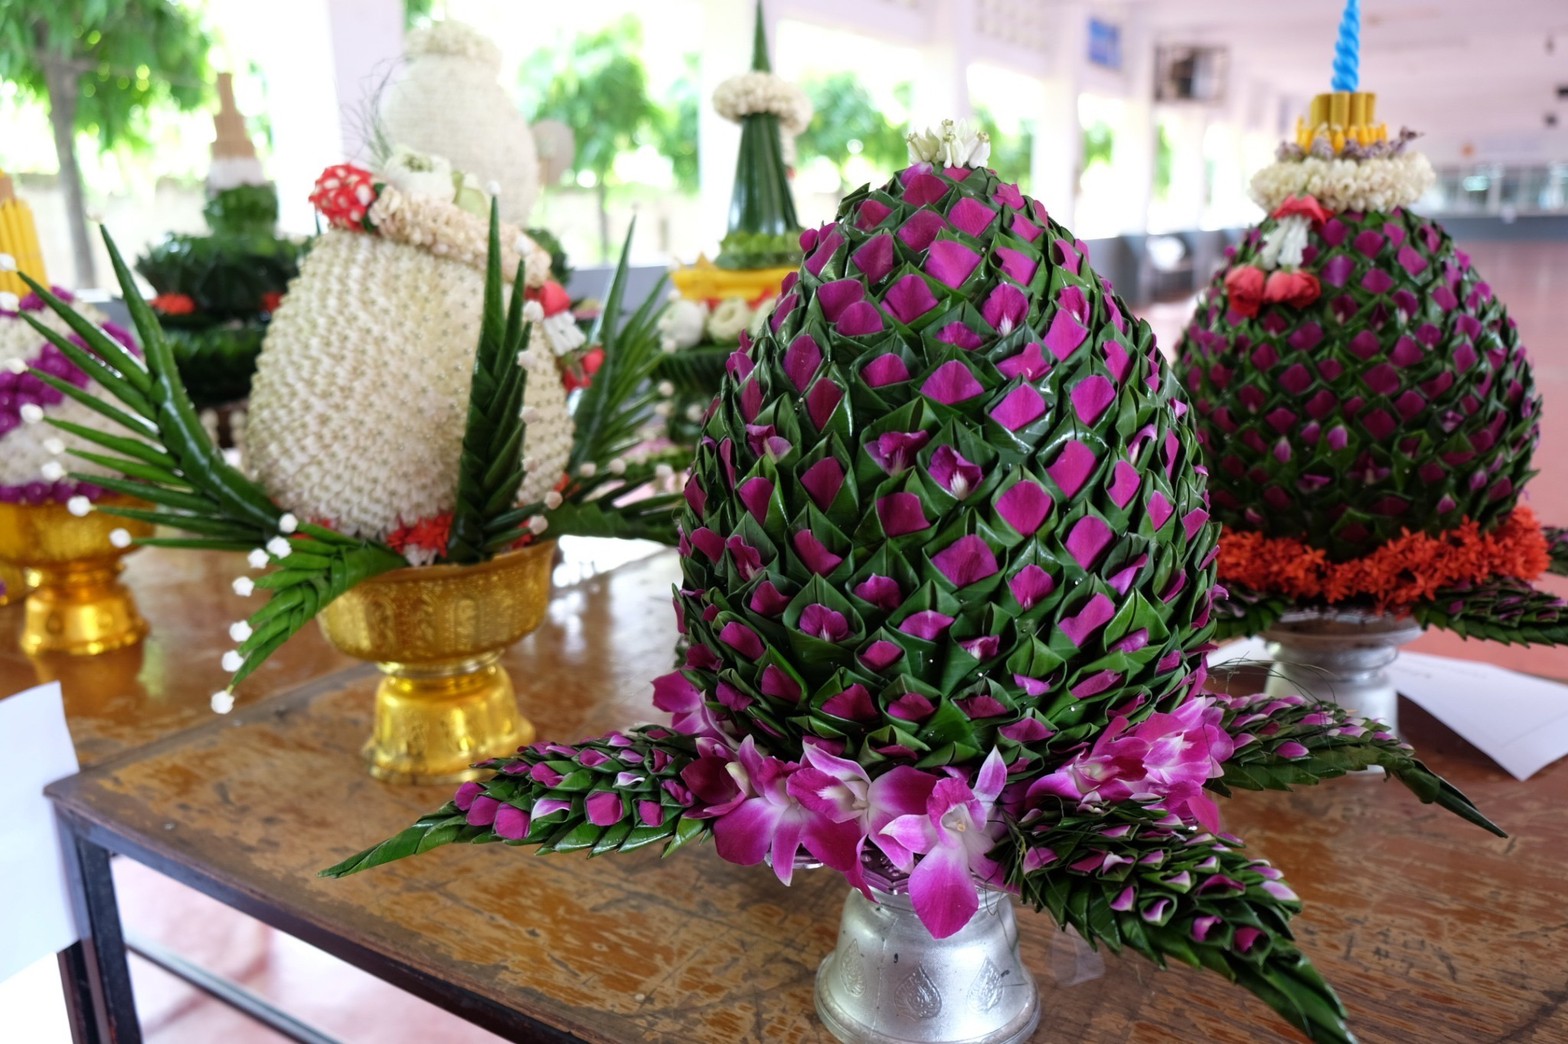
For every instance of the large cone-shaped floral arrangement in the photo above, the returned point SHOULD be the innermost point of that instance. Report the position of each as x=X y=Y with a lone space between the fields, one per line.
x=1366 y=404
x=947 y=568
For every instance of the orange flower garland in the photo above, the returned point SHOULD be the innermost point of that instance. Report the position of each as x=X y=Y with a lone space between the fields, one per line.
x=1403 y=571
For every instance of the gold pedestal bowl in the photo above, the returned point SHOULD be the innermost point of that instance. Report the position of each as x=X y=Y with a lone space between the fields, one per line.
x=437 y=633
x=13 y=583
x=77 y=604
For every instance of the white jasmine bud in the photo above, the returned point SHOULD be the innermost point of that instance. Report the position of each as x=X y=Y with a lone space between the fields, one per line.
x=52 y=471
x=244 y=586
x=258 y=559
x=32 y=413
x=552 y=500
x=617 y=466
x=222 y=701
x=287 y=523
x=588 y=469
x=120 y=538
x=278 y=547
x=17 y=365
x=233 y=661
x=7 y=263
x=538 y=524
x=79 y=506
x=239 y=630
x=666 y=388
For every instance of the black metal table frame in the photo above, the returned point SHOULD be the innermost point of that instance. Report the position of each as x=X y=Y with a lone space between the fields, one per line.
x=95 y=972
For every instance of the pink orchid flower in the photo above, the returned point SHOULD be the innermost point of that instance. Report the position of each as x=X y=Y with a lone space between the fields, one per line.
x=1166 y=757
x=953 y=839
x=762 y=819
x=841 y=791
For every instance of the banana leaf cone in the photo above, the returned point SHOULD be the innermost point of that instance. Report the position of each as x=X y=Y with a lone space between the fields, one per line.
x=947 y=567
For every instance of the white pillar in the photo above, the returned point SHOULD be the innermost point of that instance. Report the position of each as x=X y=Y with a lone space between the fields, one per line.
x=1133 y=158
x=367 y=42
x=1058 y=139
x=941 y=90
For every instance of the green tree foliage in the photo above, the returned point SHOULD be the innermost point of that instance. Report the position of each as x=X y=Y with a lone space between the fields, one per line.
x=1012 y=148
x=848 y=122
x=675 y=130
x=100 y=66
x=598 y=87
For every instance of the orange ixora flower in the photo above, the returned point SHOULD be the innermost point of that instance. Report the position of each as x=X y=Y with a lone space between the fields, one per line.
x=1408 y=569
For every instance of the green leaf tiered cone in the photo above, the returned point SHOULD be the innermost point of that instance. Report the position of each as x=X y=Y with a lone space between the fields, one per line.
x=947 y=568
x=1359 y=388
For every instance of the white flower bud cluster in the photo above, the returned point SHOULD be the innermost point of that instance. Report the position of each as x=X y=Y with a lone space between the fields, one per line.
x=765 y=92
x=1378 y=184
x=361 y=391
x=32 y=451
x=952 y=143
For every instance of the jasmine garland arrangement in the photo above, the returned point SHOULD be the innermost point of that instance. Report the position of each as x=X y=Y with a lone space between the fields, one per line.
x=947 y=569
x=468 y=453
x=1365 y=402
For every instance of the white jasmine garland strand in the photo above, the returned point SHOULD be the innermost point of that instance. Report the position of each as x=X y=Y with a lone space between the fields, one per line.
x=1377 y=184
x=763 y=92
x=448 y=231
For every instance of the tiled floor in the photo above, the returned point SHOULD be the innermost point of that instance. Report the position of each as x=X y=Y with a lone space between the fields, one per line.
x=355 y=1007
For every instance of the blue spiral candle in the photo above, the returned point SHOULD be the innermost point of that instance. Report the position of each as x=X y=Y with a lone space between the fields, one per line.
x=1347 y=49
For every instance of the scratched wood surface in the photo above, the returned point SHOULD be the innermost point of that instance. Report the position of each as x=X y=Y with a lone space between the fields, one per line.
x=124 y=699
x=1431 y=930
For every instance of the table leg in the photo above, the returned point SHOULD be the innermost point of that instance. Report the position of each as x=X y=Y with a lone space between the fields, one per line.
x=94 y=972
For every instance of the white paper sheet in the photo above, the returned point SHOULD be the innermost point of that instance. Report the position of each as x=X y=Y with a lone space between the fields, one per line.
x=35 y=750
x=1518 y=721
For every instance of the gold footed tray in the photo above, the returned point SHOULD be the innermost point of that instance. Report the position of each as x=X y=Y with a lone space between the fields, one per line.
x=705 y=281
x=77 y=604
x=437 y=633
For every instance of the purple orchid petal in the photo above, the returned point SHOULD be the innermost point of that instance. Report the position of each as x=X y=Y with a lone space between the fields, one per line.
x=874 y=257
x=1095 y=614
x=943 y=892
x=511 y=823
x=950 y=262
x=909 y=298
x=838 y=295
x=1026 y=730
x=868 y=215
x=822 y=481
x=1005 y=308
x=815 y=554
x=821 y=621
x=1030 y=584
x=953 y=472
x=742 y=639
x=966 y=561
x=881 y=654
x=911 y=707
x=1091 y=397
x=1024 y=506
x=802 y=360
x=895 y=451
x=1073 y=467
x=922 y=188
x=768 y=600
x=483 y=811
x=696 y=499
x=1125 y=481
x=971 y=216
x=822 y=401
x=747 y=559
x=1029 y=363
x=881 y=591
x=464 y=798
x=1022 y=407
x=927 y=624
x=952 y=382
x=1089 y=537
x=853 y=703
x=884 y=370
x=901 y=513
x=827 y=245
x=604 y=808
x=959 y=335
x=921 y=228
x=1016 y=265
x=860 y=319
x=1065 y=335
x=755 y=494
x=709 y=543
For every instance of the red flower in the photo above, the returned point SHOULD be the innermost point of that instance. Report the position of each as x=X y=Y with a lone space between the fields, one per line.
x=552 y=298
x=581 y=375
x=1244 y=285
x=1296 y=289
x=343 y=195
x=1305 y=206
x=270 y=301
x=428 y=534
x=174 y=304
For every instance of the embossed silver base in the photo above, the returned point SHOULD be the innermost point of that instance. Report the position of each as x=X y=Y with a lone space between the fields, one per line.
x=889 y=982
x=1340 y=658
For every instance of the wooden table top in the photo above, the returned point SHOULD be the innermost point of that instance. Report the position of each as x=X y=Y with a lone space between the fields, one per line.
x=1430 y=929
x=125 y=699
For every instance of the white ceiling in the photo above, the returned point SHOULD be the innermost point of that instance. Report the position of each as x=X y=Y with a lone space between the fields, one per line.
x=1477 y=72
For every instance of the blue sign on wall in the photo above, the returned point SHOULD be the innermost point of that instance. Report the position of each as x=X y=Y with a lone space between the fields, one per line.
x=1105 y=44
